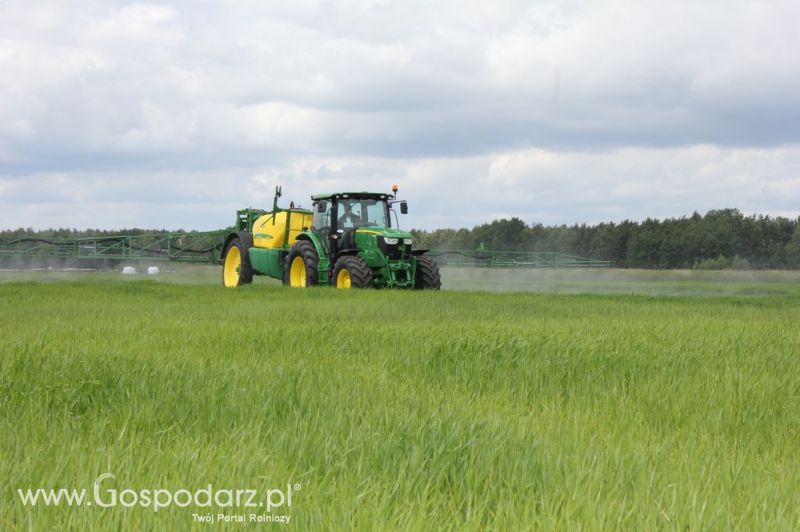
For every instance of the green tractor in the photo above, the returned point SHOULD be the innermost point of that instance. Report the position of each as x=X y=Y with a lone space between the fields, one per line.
x=347 y=240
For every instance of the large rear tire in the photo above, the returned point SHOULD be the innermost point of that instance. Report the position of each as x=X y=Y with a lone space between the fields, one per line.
x=427 y=276
x=300 y=268
x=236 y=267
x=351 y=271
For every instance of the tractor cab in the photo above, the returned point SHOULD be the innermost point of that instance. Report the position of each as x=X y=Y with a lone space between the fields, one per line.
x=337 y=217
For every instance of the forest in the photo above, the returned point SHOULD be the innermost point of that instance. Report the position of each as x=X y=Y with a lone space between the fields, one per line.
x=720 y=239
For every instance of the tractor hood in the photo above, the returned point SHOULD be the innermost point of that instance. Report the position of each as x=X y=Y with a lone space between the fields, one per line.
x=380 y=246
x=389 y=232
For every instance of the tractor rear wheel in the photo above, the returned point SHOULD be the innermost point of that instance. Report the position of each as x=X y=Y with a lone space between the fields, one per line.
x=300 y=268
x=427 y=275
x=236 y=269
x=352 y=272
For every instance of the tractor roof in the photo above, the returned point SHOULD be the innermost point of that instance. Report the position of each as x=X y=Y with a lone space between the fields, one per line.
x=356 y=195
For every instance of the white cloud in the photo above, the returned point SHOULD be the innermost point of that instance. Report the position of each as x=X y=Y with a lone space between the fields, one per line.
x=536 y=185
x=554 y=111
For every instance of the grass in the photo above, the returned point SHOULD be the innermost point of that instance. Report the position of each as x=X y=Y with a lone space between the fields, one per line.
x=624 y=281
x=404 y=410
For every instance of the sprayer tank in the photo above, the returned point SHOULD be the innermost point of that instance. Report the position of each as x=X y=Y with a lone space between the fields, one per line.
x=269 y=230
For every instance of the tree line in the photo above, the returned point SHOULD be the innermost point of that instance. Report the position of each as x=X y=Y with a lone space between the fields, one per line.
x=720 y=239
x=723 y=238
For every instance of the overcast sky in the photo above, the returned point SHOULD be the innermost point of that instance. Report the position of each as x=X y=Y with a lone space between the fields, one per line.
x=118 y=114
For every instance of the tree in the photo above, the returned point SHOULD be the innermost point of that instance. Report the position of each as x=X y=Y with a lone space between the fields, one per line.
x=793 y=248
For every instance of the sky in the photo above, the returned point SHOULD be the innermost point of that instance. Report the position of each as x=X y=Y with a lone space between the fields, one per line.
x=173 y=115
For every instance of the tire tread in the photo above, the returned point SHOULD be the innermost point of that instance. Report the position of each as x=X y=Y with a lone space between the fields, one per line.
x=360 y=273
x=427 y=276
x=308 y=252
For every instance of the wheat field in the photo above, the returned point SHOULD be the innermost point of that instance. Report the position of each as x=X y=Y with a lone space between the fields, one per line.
x=390 y=410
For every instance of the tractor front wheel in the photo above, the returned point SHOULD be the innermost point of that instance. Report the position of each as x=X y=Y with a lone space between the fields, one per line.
x=427 y=275
x=236 y=268
x=352 y=272
x=300 y=269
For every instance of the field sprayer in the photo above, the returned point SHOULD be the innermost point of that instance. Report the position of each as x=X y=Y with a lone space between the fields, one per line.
x=347 y=240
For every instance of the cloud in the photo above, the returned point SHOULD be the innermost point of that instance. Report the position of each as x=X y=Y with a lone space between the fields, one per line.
x=536 y=185
x=601 y=108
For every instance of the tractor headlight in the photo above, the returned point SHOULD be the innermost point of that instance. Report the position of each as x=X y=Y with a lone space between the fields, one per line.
x=391 y=241
x=408 y=241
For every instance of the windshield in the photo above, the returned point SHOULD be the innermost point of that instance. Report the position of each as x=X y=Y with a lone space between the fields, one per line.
x=355 y=213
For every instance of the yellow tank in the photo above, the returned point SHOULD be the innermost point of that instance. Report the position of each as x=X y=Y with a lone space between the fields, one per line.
x=269 y=230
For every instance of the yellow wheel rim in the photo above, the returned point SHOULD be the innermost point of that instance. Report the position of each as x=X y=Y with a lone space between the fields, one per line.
x=232 y=268
x=343 y=279
x=297 y=273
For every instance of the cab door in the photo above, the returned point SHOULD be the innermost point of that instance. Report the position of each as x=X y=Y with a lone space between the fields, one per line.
x=323 y=223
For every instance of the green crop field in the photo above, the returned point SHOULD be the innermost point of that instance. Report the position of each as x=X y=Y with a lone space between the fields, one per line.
x=658 y=402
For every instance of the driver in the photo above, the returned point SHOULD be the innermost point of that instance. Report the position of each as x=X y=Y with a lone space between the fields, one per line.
x=348 y=219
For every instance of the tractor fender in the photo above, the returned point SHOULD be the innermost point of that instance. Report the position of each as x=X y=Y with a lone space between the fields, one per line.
x=246 y=238
x=418 y=252
x=314 y=239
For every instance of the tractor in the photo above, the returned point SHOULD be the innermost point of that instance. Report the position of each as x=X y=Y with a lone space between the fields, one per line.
x=346 y=240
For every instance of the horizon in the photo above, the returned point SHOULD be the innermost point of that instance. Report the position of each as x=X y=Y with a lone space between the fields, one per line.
x=756 y=215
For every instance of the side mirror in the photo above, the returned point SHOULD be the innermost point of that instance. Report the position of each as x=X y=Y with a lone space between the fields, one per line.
x=322 y=205
x=403 y=207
